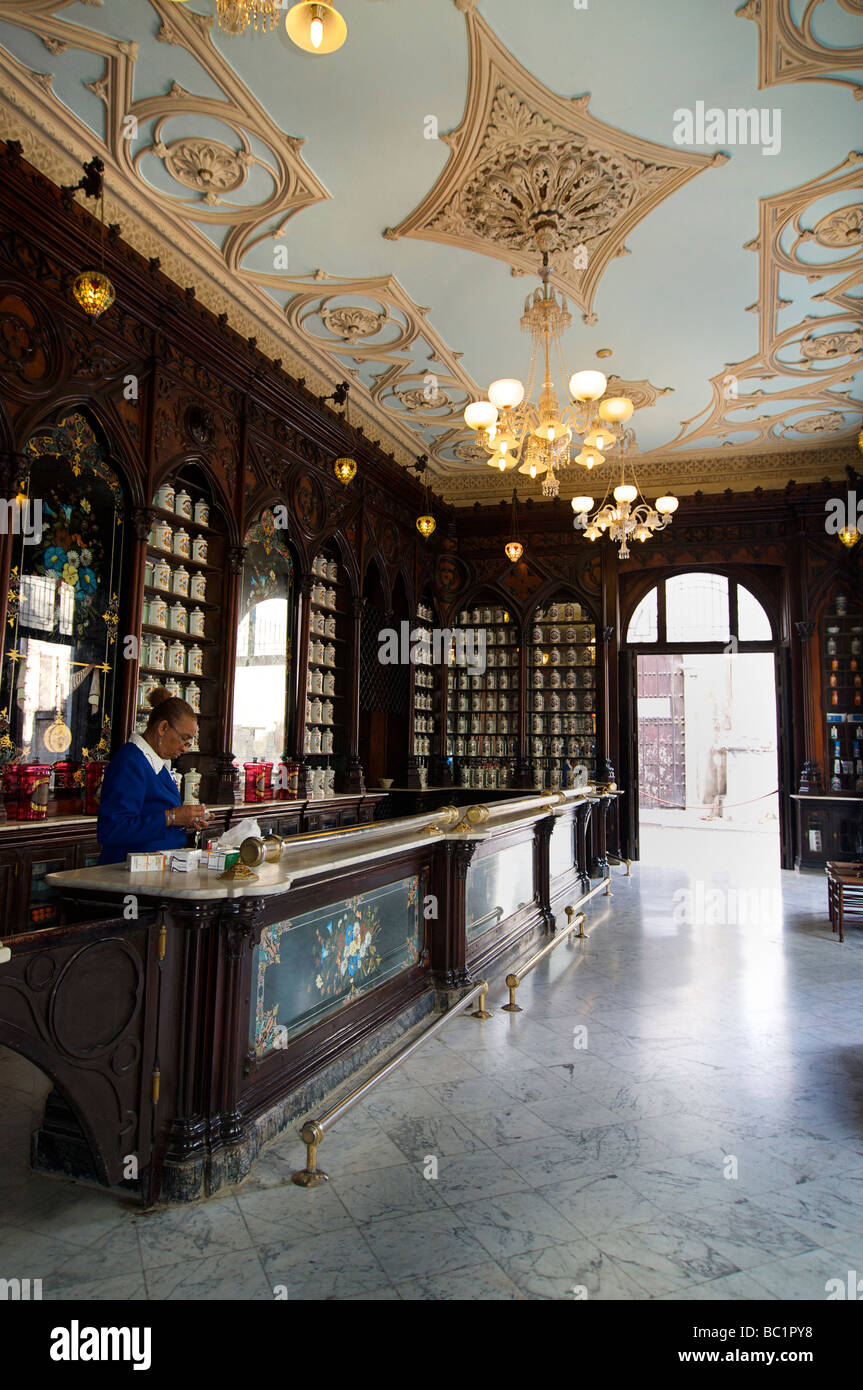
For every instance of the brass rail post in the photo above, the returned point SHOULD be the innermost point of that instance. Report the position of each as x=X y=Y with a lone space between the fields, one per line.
x=514 y=980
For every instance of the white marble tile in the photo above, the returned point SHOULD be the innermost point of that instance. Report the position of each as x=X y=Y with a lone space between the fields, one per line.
x=334 y=1264
x=806 y=1276
x=485 y=1281
x=173 y=1234
x=597 y=1204
x=417 y=1246
x=226 y=1276
x=291 y=1211
x=391 y=1192
x=661 y=1256
x=507 y=1124
x=432 y=1136
x=603 y=1150
x=121 y=1288
x=573 y=1272
x=515 y=1222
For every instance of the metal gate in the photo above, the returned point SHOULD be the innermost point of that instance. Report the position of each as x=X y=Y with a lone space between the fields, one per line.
x=661 y=733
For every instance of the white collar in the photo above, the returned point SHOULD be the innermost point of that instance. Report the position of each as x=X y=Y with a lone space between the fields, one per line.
x=150 y=753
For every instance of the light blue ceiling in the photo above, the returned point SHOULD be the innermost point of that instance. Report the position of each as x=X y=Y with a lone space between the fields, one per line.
x=673 y=311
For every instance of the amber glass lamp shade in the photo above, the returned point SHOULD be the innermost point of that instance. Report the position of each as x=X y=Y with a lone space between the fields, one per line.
x=425 y=526
x=849 y=535
x=345 y=469
x=316 y=28
x=94 y=292
x=514 y=550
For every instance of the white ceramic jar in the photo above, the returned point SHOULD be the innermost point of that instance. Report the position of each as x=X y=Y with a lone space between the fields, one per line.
x=193 y=696
x=182 y=544
x=196 y=622
x=192 y=787
x=202 y=512
x=199 y=550
x=180 y=582
x=165 y=497
x=179 y=618
x=164 y=535
x=157 y=654
x=157 y=612
x=183 y=505
x=195 y=661
x=198 y=587
x=176 y=658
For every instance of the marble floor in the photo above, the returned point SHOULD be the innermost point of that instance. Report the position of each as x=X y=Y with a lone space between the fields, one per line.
x=677 y=1114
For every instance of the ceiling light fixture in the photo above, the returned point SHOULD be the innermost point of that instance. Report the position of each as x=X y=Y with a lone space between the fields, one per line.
x=536 y=436
x=236 y=16
x=316 y=28
x=92 y=288
x=426 y=523
x=514 y=548
x=622 y=520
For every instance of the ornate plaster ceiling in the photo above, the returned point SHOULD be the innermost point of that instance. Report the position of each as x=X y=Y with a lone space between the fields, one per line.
x=458 y=115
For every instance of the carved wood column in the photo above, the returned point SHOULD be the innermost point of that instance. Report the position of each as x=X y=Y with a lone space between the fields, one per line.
x=582 y=819
x=523 y=776
x=542 y=867
x=355 y=784
x=598 y=866
x=606 y=663
x=805 y=659
x=448 y=935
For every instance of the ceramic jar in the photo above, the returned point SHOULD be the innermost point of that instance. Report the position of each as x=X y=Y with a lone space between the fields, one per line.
x=176 y=658
x=162 y=576
x=182 y=544
x=192 y=787
x=183 y=505
x=180 y=582
x=193 y=696
x=179 y=618
x=165 y=497
x=202 y=512
x=329 y=684
x=148 y=574
x=199 y=550
x=198 y=587
x=195 y=661
x=157 y=654
x=157 y=613
x=174 y=689
x=164 y=535
x=196 y=622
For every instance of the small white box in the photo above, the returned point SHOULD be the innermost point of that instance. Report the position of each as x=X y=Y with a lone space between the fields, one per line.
x=145 y=863
x=185 y=860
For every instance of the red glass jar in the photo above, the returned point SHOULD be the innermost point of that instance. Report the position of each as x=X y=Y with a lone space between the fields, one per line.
x=94 y=774
x=33 y=782
x=256 y=777
x=65 y=775
x=288 y=781
x=10 y=790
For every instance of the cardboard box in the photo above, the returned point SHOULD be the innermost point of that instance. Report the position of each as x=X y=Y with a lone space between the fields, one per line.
x=220 y=859
x=185 y=861
x=145 y=863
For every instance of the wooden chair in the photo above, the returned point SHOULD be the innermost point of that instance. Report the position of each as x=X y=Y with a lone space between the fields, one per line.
x=844 y=893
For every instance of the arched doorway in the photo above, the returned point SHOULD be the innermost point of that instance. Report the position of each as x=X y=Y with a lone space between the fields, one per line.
x=702 y=696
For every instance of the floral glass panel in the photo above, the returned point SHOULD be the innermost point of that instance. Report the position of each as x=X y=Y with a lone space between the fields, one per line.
x=315 y=963
x=497 y=886
x=61 y=651
x=264 y=645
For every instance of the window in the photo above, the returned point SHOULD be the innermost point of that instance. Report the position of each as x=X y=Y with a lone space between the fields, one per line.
x=262 y=685
x=699 y=609
x=696 y=608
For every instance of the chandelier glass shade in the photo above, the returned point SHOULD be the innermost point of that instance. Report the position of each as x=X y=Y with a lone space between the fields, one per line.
x=345 y=469
x=236 y=16
x=849 y=536
x=316 y=28
x=94 y=292
x=425 y=526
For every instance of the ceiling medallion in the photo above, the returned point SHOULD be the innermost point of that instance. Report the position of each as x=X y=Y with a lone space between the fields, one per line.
x=208 y=166
x=352 y=322
x=424 y=398
x=522 y=150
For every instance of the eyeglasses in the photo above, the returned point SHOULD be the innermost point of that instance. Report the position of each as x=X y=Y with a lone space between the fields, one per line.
x=186 y=738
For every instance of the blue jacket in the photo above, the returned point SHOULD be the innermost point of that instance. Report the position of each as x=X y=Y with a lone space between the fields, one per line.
x=132 y=809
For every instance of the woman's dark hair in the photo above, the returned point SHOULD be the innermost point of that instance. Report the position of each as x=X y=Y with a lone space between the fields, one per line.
x=163 y=705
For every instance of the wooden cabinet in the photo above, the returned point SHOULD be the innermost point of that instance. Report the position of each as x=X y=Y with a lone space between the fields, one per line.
x=828 y=827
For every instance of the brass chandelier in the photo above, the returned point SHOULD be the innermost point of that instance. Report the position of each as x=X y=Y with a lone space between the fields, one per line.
x=314 y=27
x=536 y=437
x=630 y=517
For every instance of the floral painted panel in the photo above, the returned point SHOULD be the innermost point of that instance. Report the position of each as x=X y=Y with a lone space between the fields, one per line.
x=560 y=847
x=497 y=886
x=312 y=965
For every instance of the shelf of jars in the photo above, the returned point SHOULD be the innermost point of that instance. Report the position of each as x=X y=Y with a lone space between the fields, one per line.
x=561 y=673
x=181 y=638
x=483 y=699
x=842 y=646
x=325 y=681
x=424 y=723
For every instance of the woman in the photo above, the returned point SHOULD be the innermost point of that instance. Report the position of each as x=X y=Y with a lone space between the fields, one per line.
x=140 y=811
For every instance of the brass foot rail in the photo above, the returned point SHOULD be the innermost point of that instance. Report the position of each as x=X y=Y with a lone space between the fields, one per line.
x=513 y=981
x=313 y=1131
x=616 y=859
